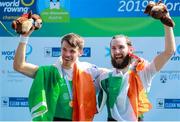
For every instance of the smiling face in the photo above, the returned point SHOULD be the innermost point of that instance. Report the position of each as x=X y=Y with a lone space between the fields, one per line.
x=71 y=49
x=119 y=52
x=69 y=55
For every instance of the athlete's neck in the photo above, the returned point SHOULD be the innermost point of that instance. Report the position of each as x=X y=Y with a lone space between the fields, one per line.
x=124 y=70
x=67 y=67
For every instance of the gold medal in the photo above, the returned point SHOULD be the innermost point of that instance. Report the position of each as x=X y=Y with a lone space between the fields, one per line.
x=71 y=103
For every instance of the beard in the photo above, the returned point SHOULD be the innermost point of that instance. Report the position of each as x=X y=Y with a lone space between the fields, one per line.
x=126 y=61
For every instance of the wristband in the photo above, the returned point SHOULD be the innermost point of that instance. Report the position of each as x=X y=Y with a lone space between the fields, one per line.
x=23 y=39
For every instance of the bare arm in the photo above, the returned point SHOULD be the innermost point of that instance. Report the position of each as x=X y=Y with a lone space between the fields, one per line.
x=170 y=48
x=20 y=63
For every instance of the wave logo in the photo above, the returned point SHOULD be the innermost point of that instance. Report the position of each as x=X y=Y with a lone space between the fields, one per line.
x=108 y=51
x=86 y=52
x=27 y=3
x=9 y=54
x=28 y=49
x=176 y=56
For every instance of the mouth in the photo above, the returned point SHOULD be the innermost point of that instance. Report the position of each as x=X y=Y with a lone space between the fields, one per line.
x=67 y=59
x=118 y=57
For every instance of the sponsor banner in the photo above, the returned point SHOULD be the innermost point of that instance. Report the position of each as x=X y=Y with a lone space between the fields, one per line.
x=54 y=10
x=14 y=101
x=50 y=11
x=169 y=76
x=117 y=8
x=56 y=52
x=45 y=51
x=8 y=55
x=11 y=9
x=168 y=103
x=60 y=10
x=88 y=18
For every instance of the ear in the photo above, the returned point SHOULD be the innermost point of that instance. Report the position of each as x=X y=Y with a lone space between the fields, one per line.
x=80 y=52
x=131 y=49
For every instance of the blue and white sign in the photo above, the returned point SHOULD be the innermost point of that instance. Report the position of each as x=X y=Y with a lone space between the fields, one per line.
x=56 y=52
x=14 y=101
x=11 y=9
x=117 y=8
x=168 y=103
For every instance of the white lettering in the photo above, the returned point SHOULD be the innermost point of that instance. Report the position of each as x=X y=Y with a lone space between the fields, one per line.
x=140 y=5
x=16 y=9
x=9 y=4
x=170 y=105
x=13 y=7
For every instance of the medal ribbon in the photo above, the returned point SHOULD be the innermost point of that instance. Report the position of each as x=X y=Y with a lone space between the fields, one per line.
x=67 y=83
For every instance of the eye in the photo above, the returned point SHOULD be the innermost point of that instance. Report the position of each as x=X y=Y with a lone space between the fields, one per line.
x=113 y=48
x=121 y=47
x=64 y=49
x=72 y=51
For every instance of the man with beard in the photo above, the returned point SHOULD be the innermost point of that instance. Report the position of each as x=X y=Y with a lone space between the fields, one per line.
x=124 y=89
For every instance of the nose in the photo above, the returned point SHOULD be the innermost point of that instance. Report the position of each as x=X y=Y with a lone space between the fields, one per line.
x=116 y=51
x=66 y=53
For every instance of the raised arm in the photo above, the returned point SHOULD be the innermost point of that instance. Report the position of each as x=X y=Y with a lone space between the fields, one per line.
x=169 y=50
x=20 y=63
